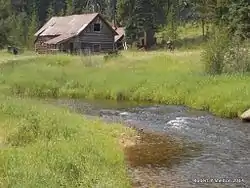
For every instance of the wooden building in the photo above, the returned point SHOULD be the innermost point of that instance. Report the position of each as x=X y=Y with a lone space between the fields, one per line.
x=76 y=33
x=120 y=41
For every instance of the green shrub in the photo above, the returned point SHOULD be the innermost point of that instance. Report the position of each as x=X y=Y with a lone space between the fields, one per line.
x=215 y=50
x=225 y=53
x=237 y=58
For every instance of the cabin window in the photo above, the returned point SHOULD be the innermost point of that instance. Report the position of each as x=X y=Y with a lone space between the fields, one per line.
x=83 y=45
x=96 y=47
x=97 y=27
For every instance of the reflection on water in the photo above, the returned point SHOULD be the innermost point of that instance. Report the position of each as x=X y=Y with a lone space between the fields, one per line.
x=224 y=155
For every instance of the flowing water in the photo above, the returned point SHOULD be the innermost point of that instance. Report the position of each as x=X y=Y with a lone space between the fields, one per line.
x=223 y=161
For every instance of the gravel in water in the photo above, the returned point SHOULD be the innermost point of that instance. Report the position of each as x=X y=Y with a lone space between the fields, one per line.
x=221 y=158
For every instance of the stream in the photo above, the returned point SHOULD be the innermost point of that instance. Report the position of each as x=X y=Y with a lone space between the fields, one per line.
x=223 y=161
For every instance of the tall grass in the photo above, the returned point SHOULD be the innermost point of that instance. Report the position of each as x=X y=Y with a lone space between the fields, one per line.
x=44 y=146
x=169 y=78
x=6 y=57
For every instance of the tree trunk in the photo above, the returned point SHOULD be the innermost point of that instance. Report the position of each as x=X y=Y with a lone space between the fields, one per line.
x=203 y=27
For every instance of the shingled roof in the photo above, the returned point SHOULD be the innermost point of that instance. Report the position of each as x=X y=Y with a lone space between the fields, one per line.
x=121 y=33
x=66 y=27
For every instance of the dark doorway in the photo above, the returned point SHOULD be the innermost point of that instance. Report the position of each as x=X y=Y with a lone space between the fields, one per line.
x=96 y=47
x=71 y=46
x=83 y=46
x=143 y=42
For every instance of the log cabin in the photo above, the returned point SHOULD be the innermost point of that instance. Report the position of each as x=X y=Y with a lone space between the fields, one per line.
x=76 y=33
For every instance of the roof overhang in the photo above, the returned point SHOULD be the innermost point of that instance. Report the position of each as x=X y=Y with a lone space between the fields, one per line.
x=59 y=39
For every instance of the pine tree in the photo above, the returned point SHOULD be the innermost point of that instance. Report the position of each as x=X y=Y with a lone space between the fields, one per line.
x=141 y=17
x=76 y=7
x=239 y=18
x=32 y=29
x=4 y=22
x=130 y=31
x=60 y=13
x=172 y=23
x=18 y=29
x=69 y=7
x=50 y=11
x=144 y=15
x=125 y=10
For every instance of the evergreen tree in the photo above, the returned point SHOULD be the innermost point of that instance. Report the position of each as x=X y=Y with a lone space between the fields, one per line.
x=4 y=22
x=205 y=12
x=50 y=11
x=142 y=18
x=60 y=13
x=131 y=31
x=18 y=29
x=136 y=15
x=125 y=11
x=32 y=29
x=69 y=7
x=144 y=15
x=172 y=23
x=239 y=18
x=77 y=6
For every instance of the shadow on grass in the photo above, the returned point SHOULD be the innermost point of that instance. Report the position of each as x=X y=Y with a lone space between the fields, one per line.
x=186 y=43
x=190 y=42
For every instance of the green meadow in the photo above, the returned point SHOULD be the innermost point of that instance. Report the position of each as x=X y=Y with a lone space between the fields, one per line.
x=46 y=146
x=157 y=77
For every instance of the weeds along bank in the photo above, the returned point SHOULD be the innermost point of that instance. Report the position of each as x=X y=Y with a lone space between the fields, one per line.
x=163 y=77
x=45 y=146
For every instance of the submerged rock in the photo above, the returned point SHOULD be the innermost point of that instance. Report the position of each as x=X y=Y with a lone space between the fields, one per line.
x=109 y=113
x=124 y=113
x=245 y=116
x=112 y=113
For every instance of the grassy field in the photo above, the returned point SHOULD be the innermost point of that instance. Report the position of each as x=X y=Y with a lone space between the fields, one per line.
x=162 y=77
x=44 y=146
x=8 y=57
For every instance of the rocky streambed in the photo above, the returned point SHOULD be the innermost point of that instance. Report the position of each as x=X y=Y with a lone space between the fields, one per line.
x=176 y=146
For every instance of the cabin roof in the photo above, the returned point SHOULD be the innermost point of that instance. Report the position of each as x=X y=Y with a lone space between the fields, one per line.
x=67 y=27
x=60 y=38
x=121 y=33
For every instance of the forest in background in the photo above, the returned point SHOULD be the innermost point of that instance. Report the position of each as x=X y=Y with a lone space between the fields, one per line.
x=19 y=19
